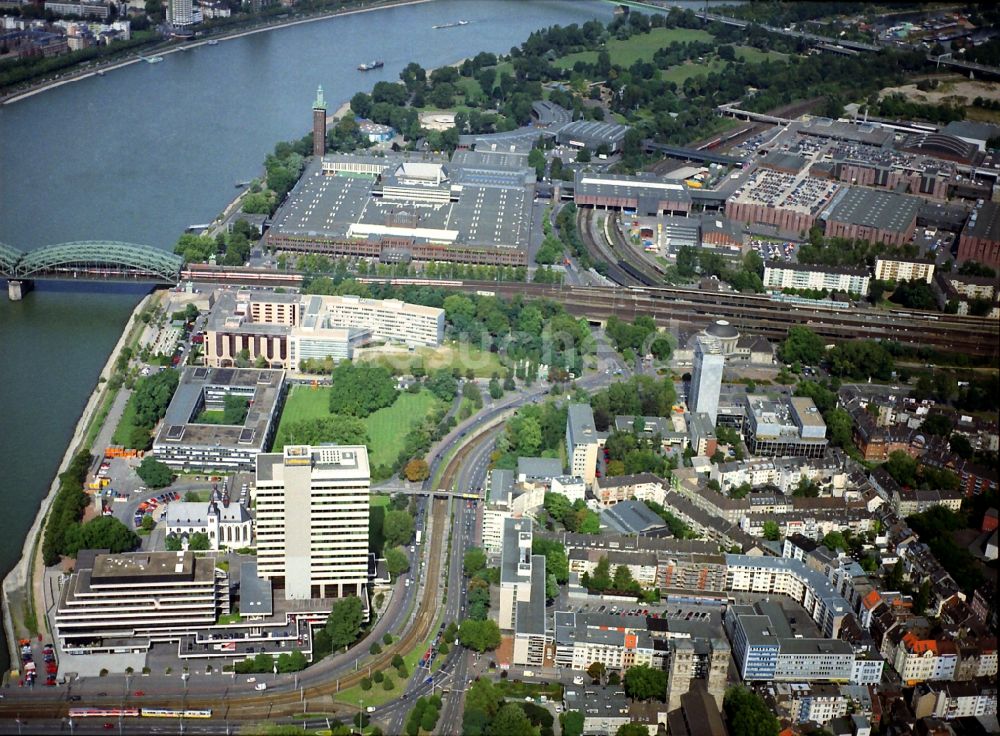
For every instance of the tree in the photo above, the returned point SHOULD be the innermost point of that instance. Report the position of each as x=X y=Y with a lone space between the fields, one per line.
x=510 y=720
x=479 y=635
x=361 y=388
x=597 y=670
x=397 y=561
x=199 y=542
x=571 y=723
x=556 y=561
x=102 y=532
x=536 y=159
x=772 y=532
x=474 y=561
x=645 y=683
x=191 y=497
x=443 y=384
x=154 y=473
x=802 y=345
x=336 y=429
x=834 y=541
x=397 y=528
x=633 y=729
x=417 y=470
x=148 y=523
x=344 y=621
x=747 y=714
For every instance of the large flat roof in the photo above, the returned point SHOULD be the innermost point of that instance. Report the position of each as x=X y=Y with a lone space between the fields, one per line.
x=984 y=222
x=347 y=463
x=481 y=199
x=262 y=386
x=874 y=208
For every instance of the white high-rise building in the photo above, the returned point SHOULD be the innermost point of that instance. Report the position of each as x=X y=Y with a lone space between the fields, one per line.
x=181 y=13
x=312 y=520
x=706 y=378
x=582 y=442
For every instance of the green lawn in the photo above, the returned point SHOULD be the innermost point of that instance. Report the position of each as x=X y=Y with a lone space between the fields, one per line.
x=387 y=428
x=642 y=46
x=379 y=499
x=451 y=355
x=124 y=428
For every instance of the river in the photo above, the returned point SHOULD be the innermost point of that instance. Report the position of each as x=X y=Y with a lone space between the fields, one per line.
x=146 y=150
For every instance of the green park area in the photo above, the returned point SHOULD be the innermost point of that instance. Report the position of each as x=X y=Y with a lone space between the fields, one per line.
x=387 y=428
x=451 y=355
x=640 y=46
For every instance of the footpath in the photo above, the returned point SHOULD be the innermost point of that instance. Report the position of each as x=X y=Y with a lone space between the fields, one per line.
x=23 y=588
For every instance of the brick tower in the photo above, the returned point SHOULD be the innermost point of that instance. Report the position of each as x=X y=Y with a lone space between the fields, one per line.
x=319 y=123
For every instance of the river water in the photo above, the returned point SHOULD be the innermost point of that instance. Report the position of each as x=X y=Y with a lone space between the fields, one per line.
x=145 y=151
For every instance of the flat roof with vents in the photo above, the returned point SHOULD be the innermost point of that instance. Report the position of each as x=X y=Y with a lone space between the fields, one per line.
x=183 y=441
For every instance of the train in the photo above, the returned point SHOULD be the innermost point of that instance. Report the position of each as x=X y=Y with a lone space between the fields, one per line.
x=91 y=712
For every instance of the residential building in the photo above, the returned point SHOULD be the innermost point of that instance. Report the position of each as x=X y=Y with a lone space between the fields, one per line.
x=138 y=597
x=775 y=575
x=950 y=700
x=605 y=709
x=582 y=441
x=185 y=440
x=181 y=13
x=515 y=570
x=312 y=520
x=83 y=9
x=706 y=378
x=903 y=269
x=784 y=275
x=640 y=487
x=497 y=507
x=766 y=648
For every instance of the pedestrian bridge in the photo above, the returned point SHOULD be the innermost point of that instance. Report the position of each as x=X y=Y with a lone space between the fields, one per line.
x=89 y=260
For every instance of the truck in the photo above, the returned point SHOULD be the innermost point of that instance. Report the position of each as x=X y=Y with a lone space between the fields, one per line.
x=418 y=535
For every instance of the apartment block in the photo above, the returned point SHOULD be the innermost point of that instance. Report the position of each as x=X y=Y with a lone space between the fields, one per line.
x=582 y=442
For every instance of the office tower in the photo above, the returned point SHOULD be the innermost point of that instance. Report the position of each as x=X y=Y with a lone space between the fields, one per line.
x=706 y=378
x=181 y=13
x=312 y=520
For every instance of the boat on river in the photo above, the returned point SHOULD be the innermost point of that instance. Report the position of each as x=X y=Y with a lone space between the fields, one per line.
x=451 y=25
x=375 y=64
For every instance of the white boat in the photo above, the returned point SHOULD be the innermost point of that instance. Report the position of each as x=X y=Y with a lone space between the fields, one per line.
x=152 y=59
x=452 y=25
x=213 y=42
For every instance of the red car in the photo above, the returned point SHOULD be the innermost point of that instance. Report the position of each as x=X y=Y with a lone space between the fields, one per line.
x=138 y=693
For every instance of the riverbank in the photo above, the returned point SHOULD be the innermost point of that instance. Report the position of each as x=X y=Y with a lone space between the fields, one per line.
x=80 y=74
x=23 y=584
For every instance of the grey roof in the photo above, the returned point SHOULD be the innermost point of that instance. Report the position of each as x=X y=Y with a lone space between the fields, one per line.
x=873 y=208
x=592 y=133
x=262 y=386
x=818 y=583
x=618 y=481
x=580 y=425
x=539 y=467
x=631 y=517
x=501 y=483
x=971 y=129
x=651 y=425
x=784 y=160
x=984 y=222
x=255 y=592
x=531 y=613
x=722 y=328
x=510 y=557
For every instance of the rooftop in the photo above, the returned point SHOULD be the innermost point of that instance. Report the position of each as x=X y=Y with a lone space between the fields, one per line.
x=873 y=208
x=200 y=388
x=632 y=517
x=348 y=463
x=539 y=467
x=984 y=222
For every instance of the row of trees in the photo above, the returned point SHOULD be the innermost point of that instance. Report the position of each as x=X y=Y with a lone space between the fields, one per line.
x=146 y=406
x=67 y=507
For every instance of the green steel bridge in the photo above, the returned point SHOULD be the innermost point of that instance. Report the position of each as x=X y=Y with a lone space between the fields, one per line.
x=90 y=260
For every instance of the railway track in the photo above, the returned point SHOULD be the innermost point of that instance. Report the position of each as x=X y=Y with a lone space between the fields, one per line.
x=279 y=702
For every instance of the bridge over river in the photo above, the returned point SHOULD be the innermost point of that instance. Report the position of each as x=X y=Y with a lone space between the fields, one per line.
x=89 y=260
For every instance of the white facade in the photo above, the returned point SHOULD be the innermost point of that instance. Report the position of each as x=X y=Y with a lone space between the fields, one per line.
x=890 y=269
x=706 y=378
x=789 y=276
x=181 y=12
x=582 y=442
x=312 y=520
x=225 y=525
